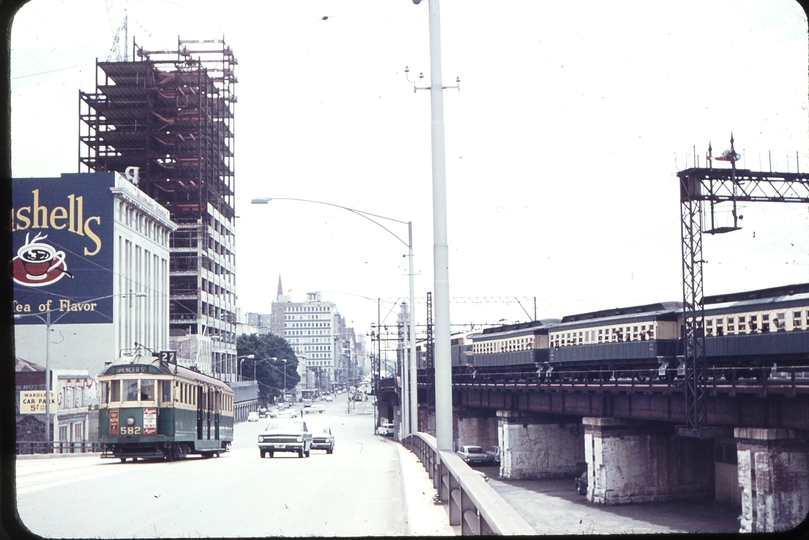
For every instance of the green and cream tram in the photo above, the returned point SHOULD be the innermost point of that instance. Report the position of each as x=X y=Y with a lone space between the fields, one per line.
x=152 y=408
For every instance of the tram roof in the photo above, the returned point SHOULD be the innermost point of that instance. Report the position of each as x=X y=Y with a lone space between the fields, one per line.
x=148 y=364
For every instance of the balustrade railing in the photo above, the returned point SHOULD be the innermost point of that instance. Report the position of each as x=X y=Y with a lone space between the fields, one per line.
x=473 y=504
x=56 y=447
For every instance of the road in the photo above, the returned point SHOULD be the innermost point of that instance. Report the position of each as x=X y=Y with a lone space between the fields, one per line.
x=356 y=491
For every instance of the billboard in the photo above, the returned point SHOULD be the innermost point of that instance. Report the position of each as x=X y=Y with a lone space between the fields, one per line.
x=62 y=234
x=33 y=401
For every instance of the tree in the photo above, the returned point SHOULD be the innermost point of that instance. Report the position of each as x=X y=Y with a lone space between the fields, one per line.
x=269 y=352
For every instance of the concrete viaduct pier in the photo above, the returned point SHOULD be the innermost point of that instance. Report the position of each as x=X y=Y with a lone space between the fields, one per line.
x=633 y=449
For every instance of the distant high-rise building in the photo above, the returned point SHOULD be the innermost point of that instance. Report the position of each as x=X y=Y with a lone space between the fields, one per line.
x=165 y=120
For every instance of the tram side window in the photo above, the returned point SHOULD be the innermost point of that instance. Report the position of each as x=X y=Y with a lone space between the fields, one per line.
x=166 y=387
x=753 y=323
x=147 y=390
x=115 y=390
x=765 y=322
x=130 y=389
x=796 y=320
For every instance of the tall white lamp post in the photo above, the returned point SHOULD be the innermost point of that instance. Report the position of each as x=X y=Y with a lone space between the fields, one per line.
x=443 y=360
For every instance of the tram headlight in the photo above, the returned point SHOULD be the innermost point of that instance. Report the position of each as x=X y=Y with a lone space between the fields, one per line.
x=130 y=421
x=300 y=438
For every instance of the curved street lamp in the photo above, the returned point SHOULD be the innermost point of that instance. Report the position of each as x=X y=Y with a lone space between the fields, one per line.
x=409 y=408
x=242 y=359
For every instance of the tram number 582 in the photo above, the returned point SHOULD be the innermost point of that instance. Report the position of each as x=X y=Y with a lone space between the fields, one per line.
x=130 y=430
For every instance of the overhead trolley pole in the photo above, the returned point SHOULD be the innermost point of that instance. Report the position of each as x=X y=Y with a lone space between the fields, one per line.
x=717 y=186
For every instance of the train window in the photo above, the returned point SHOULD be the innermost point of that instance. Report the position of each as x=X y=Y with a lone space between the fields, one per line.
x=115 y=390
x=731 y=326
x=796 y=320
x=147 y=390
x=742 y=324
x=166 y=387
x=753 y=323
x=720 y=329
x=130 y=389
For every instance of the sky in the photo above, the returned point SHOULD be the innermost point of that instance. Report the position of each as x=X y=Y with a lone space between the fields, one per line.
x=562 y=142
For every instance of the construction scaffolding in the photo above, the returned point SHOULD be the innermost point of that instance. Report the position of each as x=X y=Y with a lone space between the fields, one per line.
x=165 y=120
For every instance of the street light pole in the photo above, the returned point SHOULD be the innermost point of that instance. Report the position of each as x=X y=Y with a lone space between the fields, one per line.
x=410 y=408
x=242 y=359
x=284 y=360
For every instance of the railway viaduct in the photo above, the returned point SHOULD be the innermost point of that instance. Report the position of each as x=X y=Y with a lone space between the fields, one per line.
x=631 y=439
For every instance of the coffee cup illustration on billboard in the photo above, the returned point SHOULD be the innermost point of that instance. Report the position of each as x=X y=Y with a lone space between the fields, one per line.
x=38 y=263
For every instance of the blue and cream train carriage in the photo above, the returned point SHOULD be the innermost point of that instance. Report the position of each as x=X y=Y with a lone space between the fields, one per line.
x=152 y=408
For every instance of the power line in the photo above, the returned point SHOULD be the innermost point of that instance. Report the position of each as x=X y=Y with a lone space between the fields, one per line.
x=49 y=71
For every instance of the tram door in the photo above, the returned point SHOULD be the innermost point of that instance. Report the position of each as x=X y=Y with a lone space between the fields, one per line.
x=200 y=410
x=217 y=407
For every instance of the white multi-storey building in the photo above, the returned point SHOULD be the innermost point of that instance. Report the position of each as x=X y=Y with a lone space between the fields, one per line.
x=311 y=328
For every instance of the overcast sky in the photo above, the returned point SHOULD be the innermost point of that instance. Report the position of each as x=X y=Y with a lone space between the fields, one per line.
x=562 y=144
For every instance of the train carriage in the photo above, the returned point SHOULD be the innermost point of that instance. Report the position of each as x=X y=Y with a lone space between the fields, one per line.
x=632 y=341
x=757 y=331
x=153 y=408
x=512 y=349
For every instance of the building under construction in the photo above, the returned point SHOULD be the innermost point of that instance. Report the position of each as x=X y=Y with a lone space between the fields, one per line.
x=165 y=120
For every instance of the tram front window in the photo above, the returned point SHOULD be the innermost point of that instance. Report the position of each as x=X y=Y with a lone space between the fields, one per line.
x=130 y=390
x=147 y=390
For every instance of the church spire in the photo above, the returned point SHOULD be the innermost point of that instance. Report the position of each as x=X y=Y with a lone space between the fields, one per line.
x=280 y=289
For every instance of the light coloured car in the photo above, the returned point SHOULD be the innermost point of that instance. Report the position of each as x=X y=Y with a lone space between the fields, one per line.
x=473 y=454
x=323 y=439
x=252 y=416
x=385 y=429
x=328 y=397
x=285 y=435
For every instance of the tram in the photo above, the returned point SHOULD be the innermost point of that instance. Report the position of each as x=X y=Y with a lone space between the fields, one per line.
x=152 y=408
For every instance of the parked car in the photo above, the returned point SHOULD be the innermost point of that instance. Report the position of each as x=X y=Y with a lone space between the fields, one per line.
x=385 y=428
x=581 y=484
x=328 y=397
x=285 y=435
x=323 y=439
x=473 y=454
x=494 y=454
x=252 y=416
